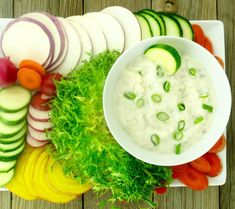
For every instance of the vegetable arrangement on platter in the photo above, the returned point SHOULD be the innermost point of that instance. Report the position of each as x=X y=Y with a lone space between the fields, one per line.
x=52 y=95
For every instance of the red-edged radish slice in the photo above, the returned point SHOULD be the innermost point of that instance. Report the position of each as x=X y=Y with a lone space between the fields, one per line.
x=39 y=125
x=96 y=34
x=26 y=38
x=55 y=29
x=74 y=49
x=111 y=28
x=35 y=143
x=39 y=136
x=39 y=115
x=128 y=22
x=43 y=96
x=40 y=120
x=87 y=47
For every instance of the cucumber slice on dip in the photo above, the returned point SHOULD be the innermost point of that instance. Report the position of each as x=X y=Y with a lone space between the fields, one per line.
x=165 y=56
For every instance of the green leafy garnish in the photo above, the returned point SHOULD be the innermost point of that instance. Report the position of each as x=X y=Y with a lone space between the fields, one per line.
x=85 y=147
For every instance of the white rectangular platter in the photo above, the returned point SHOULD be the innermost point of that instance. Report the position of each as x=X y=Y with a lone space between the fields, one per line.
x=215 y=31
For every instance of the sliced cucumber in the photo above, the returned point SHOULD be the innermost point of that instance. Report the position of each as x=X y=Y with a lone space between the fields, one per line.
x=12 y=146
x=186 y=27
x=14 y=138
x=146 y=31
x=158 y=18
x=10 y=130
x=165 y=56
x=6 y=177
x=13 y=155
x=13 y=118
x=173 y=27
x=6 y=166
x=14 y=98
x=154 y=24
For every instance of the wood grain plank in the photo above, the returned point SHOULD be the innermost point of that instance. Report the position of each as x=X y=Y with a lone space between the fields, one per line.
x=226 y=13
x=61 y=8
x=195 y=9
x=6 y=8
x=5 y=200
x=133 y=5
x=18 y=203
x=183 y=197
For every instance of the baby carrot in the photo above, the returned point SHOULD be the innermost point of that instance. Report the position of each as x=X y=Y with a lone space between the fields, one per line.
x=29 y=78
x=34 y=66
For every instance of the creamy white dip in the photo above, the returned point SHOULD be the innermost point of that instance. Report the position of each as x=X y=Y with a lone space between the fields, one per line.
x=138 y=115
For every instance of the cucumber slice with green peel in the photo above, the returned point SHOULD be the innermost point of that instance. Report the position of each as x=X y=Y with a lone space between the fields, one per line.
x=146 y=31
x=10 y=130
x=14 y=138
x=14 y=118
x=173 y=27
x=165 y=56
x=6 y=177
x=154 y=24
x=186 y=27
x=13 y=155
x=12 y=146
x=14 y=98
x=158 y=18
x=6 y=166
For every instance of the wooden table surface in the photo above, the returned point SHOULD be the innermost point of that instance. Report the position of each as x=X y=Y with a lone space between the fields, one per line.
x=222 y=197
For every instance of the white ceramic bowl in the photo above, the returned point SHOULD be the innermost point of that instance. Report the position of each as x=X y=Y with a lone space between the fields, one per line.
x=221 y=114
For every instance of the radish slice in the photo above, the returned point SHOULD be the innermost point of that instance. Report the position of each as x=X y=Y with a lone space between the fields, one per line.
x=40 y=120
x=43 y=96
x=128 y=22
x=87 y=47
x=26 y=38
x=39 y=125
x=38 y=114
x=35 y=143
x=55 y=29
x=112 y=29
x=97 y=36
x=74 y=49
x=39 y=136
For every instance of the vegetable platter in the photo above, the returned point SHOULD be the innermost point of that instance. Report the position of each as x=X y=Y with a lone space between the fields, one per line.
x=58 y=66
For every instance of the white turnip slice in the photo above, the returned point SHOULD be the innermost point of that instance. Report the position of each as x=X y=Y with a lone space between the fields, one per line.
x=39 y=115
x=74 y=49
x=85 y=41
x=111 y=28
x=39 y=136
x=39 y=125
x=26 y=38
x=35 y=143
x=96 y=34
x=55 y=29
x=128 y=22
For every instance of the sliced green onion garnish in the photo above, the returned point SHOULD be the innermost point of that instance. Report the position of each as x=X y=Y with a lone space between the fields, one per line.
x=162 y=116
x=156 y=98
x=204 y=95
x=130 y=95
x=181 y=106
x=207 y=107
x=166 y=86
x=192 y=71
x=140 y=102
x=198 y=120
x=178 y=149
x=178 y=135
x=155 y=139
x=160 y=71
x=181 y=125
